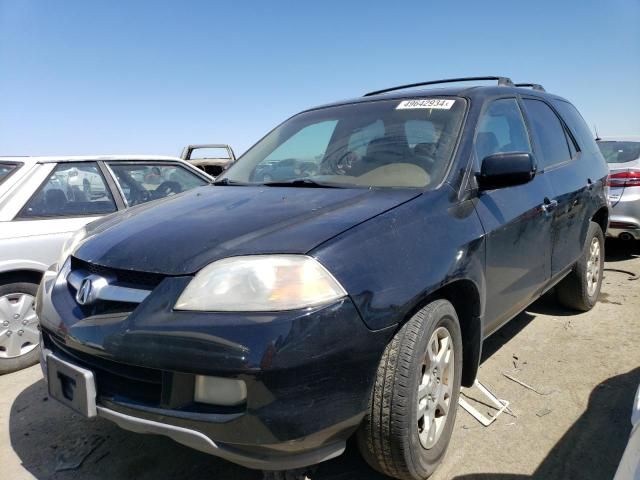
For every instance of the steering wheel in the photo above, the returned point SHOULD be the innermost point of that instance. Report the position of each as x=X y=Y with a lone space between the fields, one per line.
x=340 y=166
x=167 y=188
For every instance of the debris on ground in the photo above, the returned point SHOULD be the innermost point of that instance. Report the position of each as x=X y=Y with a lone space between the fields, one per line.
x=632 y=276
x=73 y=457
x=526 y=385
x=543 y=412
x=497 y=403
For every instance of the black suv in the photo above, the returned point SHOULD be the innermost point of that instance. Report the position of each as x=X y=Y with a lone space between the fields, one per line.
x=338 y=279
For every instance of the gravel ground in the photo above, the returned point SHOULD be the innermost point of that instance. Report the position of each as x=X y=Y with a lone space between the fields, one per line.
x=584 y=367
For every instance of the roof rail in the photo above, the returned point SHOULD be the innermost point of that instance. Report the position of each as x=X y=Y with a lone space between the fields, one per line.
x=502 y=81
x=535 y=86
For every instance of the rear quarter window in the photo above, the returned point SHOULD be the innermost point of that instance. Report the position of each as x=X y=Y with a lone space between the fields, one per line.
x=7 y=169
x=577 y=125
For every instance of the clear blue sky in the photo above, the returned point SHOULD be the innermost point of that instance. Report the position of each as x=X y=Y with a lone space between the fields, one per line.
x=93 y=77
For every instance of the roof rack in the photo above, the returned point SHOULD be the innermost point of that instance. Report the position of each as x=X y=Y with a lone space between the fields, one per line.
x=535 y=86
x=502 y=81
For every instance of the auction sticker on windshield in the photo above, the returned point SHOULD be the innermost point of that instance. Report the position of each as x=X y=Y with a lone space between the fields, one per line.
x=437 y=103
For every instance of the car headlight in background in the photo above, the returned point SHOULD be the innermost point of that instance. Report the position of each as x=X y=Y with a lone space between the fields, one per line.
x=260 y=283
x=71 y=244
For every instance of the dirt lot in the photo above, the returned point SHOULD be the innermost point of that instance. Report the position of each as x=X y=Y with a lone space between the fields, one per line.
x=585 y=368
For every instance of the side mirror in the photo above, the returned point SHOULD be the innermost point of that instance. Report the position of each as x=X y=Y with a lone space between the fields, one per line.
x=506 y=169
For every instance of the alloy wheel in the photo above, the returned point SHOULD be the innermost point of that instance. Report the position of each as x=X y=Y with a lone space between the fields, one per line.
x=436 y=387
x=19 y=332
x=593 y=267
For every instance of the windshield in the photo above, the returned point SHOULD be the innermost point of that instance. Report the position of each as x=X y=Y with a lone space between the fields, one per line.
x=619 y=152
x=6 y=169
x=389 y=143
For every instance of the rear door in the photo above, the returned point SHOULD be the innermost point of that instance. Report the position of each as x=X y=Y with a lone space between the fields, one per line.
x=559 y=159
x=72 y=195
x=518 y=240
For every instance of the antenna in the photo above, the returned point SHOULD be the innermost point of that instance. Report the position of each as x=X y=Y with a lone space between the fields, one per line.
x=595 y=128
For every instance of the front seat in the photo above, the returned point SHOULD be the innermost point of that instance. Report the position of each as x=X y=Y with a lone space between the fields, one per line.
x=55 y=201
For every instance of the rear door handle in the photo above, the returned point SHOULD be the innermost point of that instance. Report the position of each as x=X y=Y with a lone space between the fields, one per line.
x=549 y=205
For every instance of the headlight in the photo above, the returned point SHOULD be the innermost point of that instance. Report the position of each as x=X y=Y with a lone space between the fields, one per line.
x=71 y=244
x=260 y=283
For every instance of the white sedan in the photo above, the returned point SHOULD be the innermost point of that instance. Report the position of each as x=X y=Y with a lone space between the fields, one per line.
x=43 y=200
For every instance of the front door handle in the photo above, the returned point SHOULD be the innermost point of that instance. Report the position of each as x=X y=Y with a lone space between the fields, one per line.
x=549 y=205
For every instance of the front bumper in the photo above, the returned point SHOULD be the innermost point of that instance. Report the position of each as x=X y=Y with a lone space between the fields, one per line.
x=308 y=373
x=617 y=232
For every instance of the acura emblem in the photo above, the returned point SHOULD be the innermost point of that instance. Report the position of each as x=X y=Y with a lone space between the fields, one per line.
x=83 y=295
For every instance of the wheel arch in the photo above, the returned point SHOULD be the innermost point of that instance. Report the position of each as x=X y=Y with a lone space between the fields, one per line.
x=465 y=297
x=22 y=275
x=601 y=217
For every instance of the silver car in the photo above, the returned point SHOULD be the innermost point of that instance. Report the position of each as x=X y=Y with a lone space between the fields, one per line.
x=623 y=157
x=43 y=200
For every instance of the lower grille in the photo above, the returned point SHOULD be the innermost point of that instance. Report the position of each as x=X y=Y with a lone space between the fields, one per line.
x=114 y=380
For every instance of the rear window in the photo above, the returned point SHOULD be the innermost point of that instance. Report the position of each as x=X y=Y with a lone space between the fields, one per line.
x=6 y=169
x=619 y=152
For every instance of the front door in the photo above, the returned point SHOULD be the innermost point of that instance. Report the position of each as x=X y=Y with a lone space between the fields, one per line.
x=516 y=222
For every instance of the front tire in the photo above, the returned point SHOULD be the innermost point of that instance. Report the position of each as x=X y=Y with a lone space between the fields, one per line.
x=580 y=289
x=19 y=334
x=414 y=400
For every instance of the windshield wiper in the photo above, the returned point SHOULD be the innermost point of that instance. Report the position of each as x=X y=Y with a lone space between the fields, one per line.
x=302 y=183
x=226 y=181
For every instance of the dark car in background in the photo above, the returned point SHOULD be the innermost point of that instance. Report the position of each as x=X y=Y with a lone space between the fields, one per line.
x=268 y=321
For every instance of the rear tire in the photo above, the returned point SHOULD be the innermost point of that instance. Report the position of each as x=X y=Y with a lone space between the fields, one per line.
x=580 y=289
x=406 y=431
x=16 y=336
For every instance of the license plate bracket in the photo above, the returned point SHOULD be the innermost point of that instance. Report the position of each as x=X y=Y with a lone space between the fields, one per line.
x=71 y=385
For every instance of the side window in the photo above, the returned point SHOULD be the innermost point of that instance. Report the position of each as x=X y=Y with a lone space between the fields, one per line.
x=6 y=169
x=309 y=144
x=501 y=129
x=579 y=128
x=549 y=133
x=361 y=137
x=72 y=190
x=143 y=182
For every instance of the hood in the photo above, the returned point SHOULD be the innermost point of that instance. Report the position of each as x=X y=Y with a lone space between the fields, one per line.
x=182 y=234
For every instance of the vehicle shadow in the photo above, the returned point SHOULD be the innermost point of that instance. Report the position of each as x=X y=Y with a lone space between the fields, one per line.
x=53 y=442
x=48 y=438
x=619 y=250
x=593 y=446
